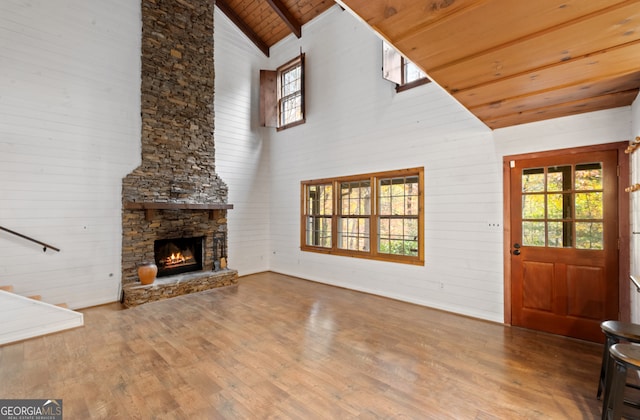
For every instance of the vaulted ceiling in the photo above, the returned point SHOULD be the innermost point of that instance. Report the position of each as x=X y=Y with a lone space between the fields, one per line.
x=509 y=62
x=265 y=22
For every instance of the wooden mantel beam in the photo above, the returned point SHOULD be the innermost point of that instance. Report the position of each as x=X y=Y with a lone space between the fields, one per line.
x=286 y=16
x=237 y=20
x=158 y=205
x=150 y=207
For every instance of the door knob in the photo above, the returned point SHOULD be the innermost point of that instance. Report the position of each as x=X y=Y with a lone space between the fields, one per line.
x=516 y=252
x=516 y=245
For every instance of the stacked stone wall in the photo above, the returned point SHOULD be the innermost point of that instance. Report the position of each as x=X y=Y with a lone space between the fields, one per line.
x=178 y=165
x=177 y=91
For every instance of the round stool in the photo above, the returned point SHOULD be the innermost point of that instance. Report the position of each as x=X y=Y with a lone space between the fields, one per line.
x=623 y=356
x=615 y=332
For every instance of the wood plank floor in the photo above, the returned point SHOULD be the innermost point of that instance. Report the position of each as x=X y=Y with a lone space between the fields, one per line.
x=280 y=347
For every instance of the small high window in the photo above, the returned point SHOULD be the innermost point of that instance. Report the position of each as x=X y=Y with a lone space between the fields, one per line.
x=399 y=70
x=282 y=95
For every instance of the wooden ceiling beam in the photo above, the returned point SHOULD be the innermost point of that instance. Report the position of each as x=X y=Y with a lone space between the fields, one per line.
x=286 y=16
x=237 y=20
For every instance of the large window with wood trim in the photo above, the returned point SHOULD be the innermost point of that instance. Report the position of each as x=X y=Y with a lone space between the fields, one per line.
x=282 y=95
x=377 y=215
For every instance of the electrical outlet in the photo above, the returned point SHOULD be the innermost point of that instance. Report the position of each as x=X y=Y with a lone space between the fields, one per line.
x=494 y=226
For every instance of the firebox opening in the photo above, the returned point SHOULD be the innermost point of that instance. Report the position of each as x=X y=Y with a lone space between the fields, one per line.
x=179 y=255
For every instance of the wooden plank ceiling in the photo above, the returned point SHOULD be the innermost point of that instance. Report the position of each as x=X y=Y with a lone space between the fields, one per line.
x=265 y=22
x=509 y=62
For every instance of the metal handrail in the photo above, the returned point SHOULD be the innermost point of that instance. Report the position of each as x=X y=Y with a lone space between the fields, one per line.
x=45 y=245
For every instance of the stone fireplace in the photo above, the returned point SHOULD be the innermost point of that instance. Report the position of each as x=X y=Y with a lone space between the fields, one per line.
x=175 y=193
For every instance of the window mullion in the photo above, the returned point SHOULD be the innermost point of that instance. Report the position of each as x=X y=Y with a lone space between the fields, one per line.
x=373 y=218
x=336 y=215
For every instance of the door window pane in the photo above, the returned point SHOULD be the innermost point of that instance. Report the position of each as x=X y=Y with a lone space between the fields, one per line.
x=589 y=235
x=555 y=206
x=555 y=234
x=589 y=205
x=559 y=234
x=533 y=206
x=559 y=178
x=533 y=180
x=533 y=233
x=589 y=176
x=559 y=206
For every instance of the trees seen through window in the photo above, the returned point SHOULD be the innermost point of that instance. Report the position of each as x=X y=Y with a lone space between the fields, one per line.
x=375 y=215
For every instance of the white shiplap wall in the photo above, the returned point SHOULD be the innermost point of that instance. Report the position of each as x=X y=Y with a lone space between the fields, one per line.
x=356 y=123
x=242 y=155
x=69 y=132
x=579 y=130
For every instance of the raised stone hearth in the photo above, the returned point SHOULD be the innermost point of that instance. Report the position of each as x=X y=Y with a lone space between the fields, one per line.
x=167 y=287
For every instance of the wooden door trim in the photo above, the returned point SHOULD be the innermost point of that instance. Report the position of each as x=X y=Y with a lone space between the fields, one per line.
x=624 y=304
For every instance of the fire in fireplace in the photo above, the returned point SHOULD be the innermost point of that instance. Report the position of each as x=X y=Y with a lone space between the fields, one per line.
x=179 y=255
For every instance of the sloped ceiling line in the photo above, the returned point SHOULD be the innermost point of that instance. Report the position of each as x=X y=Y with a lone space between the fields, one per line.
x=508 y=62
x=277 y=6
x=246 y=29
x=513 y=62
x=286 y=16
